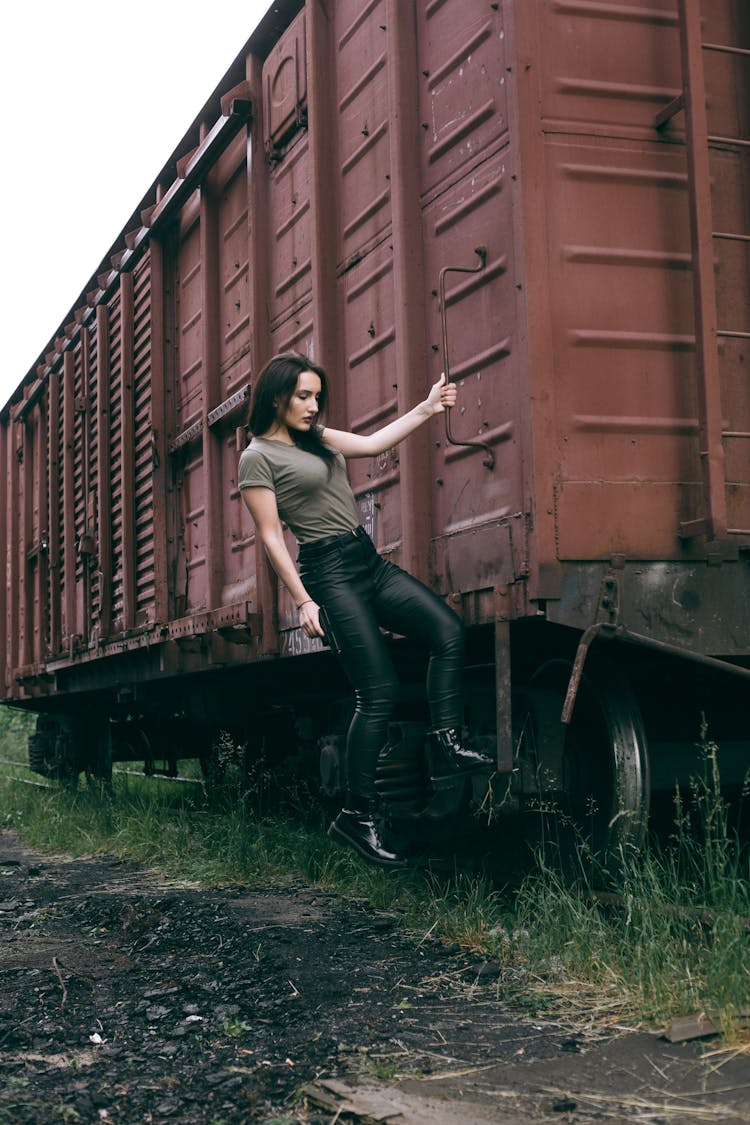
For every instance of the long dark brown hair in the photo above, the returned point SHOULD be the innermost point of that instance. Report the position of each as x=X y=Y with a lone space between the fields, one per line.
x=272 y=394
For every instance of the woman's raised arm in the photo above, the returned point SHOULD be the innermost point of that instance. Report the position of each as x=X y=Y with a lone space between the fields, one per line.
x=441 y=395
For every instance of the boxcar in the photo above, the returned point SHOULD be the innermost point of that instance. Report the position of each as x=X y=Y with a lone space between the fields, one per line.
x=548 y=200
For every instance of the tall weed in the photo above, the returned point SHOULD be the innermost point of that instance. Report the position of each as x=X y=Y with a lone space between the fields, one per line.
x=671 y=935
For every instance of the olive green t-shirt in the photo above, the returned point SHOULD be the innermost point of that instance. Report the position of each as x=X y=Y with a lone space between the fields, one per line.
x=313 y=504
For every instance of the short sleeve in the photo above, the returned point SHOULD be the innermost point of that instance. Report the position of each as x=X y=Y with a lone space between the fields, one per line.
x=254 y=470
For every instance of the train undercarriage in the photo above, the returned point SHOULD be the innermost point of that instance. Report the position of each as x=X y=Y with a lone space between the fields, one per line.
x=638 y=728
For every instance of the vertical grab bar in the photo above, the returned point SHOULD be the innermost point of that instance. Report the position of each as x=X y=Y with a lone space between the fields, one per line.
x=489 y=459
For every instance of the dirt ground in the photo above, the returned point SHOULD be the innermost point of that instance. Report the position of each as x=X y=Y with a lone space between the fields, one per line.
x=127 y=998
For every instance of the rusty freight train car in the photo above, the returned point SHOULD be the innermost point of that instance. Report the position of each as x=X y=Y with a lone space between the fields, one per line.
x=548 y=199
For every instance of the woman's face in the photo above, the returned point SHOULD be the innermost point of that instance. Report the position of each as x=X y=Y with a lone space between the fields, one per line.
x=302 y=409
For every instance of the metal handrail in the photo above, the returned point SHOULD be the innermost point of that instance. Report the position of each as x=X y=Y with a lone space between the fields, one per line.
x=489 y=459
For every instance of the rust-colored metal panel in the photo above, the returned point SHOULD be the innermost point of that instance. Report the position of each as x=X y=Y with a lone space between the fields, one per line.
x=234 y=562
x=727 y=77
x=250 y=558
x=462 y=68
x=189 y=318
x=408 y=277
x=472 y=501
x=190 y=579
x=369 y=377
x=624 y=349
x=713 y=518
x=191 y=575
x=362 y=94
x=285 y=87
x=608 y=67
x=214 y=334
x=234 y=265
x=618 y=268
x=289 y=227
x=4 y=557
x=288 y=198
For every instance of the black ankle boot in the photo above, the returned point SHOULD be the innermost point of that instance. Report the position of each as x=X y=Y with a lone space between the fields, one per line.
x=451 y=767
x=448 y=758
x=357 y=827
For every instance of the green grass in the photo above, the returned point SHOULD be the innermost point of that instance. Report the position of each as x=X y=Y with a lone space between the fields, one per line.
x=674 y=941
x=15 y=727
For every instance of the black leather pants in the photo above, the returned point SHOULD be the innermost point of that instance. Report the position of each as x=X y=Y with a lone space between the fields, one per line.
x=360 y=592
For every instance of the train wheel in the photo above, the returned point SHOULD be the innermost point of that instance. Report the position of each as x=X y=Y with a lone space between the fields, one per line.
x=583 y=788
x=53 y=752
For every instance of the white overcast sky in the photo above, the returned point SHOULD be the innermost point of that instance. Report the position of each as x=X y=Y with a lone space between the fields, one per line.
x=97 y=96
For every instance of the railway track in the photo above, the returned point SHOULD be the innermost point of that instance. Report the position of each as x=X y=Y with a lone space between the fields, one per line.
x=124 y=772
x=28 y=781
x=160 y=776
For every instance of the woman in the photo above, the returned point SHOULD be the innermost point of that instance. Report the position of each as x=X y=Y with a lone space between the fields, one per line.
x=294 y=470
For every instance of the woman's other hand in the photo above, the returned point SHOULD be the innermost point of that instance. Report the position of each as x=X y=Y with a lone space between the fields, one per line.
x=309 y=619
x=442 y=395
